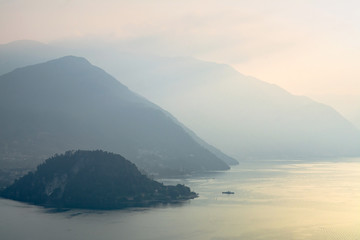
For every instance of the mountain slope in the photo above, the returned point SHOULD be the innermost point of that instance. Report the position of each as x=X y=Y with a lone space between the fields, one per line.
x=240 y=115
x=68 y=103
x=25 y=52
x=92 y=179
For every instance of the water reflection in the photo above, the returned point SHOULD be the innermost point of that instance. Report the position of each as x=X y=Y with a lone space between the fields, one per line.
x=282 y=201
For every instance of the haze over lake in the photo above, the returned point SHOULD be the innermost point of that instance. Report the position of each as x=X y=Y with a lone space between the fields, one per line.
x=273 y=200
x=254 y=105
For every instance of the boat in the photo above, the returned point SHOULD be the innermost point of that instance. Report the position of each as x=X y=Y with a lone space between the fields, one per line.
x=228 y=192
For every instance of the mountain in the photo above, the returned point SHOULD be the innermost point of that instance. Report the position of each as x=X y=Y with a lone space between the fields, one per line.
x=92 y=180
x=68 y=103
x=25 y=52
x=243 y=116
x=357 y=120
x=348 y=105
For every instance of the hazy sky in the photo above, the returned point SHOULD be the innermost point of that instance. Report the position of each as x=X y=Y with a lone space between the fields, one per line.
x=308 y=47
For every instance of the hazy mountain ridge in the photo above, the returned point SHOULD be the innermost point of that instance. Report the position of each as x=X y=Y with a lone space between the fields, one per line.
x=92 y=179
x=25 y=52
x=224 y=157
x=241 y=115
x=68 y=103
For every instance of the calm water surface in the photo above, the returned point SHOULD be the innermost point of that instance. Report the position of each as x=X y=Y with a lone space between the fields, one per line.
x=282 y=201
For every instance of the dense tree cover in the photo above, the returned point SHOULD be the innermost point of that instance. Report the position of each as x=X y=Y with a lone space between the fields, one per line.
x=94 y=180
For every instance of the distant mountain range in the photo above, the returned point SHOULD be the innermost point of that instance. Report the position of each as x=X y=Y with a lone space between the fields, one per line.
x=92 y=180
x=68 y=103
x=243 y=116
x=358 y=120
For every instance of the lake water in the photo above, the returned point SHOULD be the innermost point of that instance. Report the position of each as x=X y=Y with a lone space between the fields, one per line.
x=282 y=201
